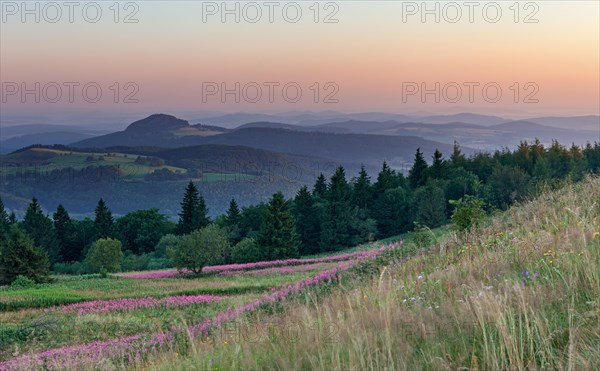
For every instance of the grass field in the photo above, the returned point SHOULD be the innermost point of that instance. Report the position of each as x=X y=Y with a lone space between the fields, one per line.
x=521 y=292
x=81 y=310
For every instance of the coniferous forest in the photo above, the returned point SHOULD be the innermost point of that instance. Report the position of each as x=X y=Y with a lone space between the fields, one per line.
x=333 y=214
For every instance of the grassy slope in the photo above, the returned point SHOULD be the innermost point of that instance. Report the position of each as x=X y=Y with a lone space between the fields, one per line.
x=520 y=293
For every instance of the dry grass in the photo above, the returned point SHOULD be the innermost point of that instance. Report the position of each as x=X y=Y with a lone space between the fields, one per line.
x=522 y=294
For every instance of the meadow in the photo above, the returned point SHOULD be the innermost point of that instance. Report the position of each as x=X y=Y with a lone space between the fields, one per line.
x=520 y=292
x=75 y=311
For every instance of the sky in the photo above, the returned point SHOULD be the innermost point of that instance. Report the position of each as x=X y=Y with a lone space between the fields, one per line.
x=506 y=58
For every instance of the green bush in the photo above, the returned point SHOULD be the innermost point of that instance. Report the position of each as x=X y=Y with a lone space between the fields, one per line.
x=22 y=282
x=133 y=262
x=246 y=251
x=167 y=242
x=468 y=212
x=105 y=253
x=202 y=247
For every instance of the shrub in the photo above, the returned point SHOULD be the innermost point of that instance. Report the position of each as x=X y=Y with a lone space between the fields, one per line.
x=206 y=246
x=133 y=262
x=105 y=254
x=468 y=212
x=167 y=242
x=246 y=251
x=22 y=282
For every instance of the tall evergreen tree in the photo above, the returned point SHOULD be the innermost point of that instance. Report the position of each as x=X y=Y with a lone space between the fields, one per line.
x=40 y=228
x=232 y=217
x=457 y=159
x=307 y=219
x=430 y=205
x=320 y=188
x=64 y=230
x=438 y=166
x=386 y=179
x=361 y=190
x=418 y=174
x=193 y=211
x=335 y=232
x=103 y=221
x=392 y=212
x=20 y=257
x=232 y=222
x=278 y=238
x=4 y=221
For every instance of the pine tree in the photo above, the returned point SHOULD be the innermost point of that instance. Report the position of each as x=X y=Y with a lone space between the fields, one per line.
x=457 y=159
x=430 y=206
x=63 y=228
x=4 y=221
x=20 y=257
x=386 y=179
x=438 y=166
x=392 y=212
x=232 y=216
x=103 y=221
x=335 y=233
x=417 y=175
x=361 y=190
x=307 y=222
x=278 y=238
x=320 y=188
x=232 y=222
x=40 y=228
x=193 y=211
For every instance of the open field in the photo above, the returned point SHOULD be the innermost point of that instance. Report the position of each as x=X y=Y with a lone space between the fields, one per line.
x=80 y=310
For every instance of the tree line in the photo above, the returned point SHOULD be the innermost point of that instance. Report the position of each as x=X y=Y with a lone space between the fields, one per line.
x=333 y=214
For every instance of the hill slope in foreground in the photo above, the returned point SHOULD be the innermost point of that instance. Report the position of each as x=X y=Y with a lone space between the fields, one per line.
x=520 y=293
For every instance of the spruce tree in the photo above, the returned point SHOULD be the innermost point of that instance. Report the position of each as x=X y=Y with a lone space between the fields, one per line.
x=232 y=222
x=417 y=175
x=103 y=221
x=361 y=190
x=320 y=188
x=4 y=221
x=20 y=257
x=278 y=238
x=41 y=229
x=193 y=211
x=386 y=179
x=335 y=232
x=63 y=228
x=232 y=217
x=438 y=166
x=457 y=159
x=430 y=206
x=307 y=222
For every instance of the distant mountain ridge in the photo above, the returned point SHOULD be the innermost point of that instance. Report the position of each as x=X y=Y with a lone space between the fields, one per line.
x=170 y=132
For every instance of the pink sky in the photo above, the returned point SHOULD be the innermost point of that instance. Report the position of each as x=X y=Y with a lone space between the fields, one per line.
x=361 y=63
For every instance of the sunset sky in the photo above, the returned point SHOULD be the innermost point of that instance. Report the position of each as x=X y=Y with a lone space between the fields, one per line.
x=368 y=54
